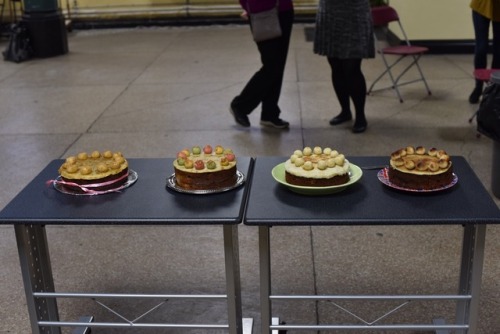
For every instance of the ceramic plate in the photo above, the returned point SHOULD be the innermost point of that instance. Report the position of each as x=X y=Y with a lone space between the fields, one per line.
x=173 y=185
x=384 y=178
x=59 y=186
x=278 y=173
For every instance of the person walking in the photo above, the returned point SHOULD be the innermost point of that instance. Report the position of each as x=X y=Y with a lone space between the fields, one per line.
x=265 y=85
x=344 y=34
x=484 y=12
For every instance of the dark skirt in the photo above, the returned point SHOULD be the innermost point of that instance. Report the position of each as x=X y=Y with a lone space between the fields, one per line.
x=344 y=29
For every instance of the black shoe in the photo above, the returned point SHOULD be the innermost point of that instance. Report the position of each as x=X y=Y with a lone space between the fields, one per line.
x=359 y=127
x=277 y=123
x=340 y=118
x=239 y=117
x=475 y=95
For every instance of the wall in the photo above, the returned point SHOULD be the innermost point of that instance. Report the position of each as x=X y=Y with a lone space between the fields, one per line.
x=435 y=19
x=115 y=9
x=423 y=19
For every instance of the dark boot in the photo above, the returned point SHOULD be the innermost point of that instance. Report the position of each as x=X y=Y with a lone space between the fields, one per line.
x=476 y=93
x=360 y=124
x=344 y=116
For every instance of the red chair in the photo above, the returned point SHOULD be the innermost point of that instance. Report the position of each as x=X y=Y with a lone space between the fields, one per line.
x=382 y=16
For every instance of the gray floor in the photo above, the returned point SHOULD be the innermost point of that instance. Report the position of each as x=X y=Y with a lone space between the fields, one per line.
x=149 y=92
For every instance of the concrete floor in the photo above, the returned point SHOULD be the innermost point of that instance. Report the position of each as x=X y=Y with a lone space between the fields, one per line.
x=149 y=92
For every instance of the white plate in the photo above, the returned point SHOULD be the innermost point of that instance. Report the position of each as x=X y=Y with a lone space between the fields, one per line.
x=240 y=179
x=384 y=178
x=59 y=186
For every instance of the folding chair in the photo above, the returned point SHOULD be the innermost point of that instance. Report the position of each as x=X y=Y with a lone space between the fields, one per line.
x=382 y=16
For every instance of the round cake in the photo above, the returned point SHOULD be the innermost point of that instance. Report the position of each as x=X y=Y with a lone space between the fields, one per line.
x=420 y=169
x=94 y=172
x=205 y=168
x=317 y=167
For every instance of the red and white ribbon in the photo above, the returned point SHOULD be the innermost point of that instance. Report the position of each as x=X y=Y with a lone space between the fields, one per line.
x=86 y=189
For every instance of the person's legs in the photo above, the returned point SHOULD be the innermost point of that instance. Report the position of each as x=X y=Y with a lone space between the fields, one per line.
x=349 y=83
x=496 y=45
x=253 y=92
x=357 y=91
x=277 y=56
x=265 y=84
x=481 y=31
x=251 y=95
x=341 y=89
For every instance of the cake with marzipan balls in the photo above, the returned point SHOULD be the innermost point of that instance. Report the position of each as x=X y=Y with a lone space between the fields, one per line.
x=420 y=169
x=317 y=167
x=205 y=168
x=95 y=171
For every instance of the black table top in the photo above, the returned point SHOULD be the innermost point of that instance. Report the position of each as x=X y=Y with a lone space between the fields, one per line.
x=148 y=201
x=369 y=201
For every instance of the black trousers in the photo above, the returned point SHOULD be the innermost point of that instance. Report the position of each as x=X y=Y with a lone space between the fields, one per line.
x=265 y=85
x=481 y=31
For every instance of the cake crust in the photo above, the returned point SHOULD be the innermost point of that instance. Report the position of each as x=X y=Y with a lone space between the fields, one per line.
x=205 y=169
x=317 y=167
x=420 y=182
x=96 y=171
x=420 y=169
x=315 y=182
x=206 y=181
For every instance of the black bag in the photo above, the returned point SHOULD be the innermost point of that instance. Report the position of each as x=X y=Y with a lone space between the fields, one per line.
x=19 y=47
x=488 y=114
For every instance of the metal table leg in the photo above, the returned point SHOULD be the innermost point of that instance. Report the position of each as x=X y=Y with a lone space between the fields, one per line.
x=83 y=330
x=265 y=278
x=470 y=275
x=468 y=297
x=37 y=276
x=233 y=285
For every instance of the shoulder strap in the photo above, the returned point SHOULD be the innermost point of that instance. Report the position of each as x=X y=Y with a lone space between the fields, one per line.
x=248 y=5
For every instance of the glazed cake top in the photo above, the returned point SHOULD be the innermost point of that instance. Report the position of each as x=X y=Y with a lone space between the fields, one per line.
x=93 y=166
x=420 y=161
x=206 y=160
x=317 y=163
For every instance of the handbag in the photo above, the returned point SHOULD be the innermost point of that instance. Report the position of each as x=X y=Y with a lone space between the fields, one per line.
x=19 y=47
x=488 y=114
x=265 y=25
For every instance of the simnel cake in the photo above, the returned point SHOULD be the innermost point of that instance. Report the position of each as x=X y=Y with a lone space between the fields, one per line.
x=420 y=169
x=317 y=167
x=205 y=168
x=96 y=171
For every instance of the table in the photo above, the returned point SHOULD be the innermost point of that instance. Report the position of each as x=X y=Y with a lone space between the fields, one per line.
x=365 y=203
x=147 y=202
